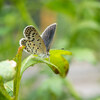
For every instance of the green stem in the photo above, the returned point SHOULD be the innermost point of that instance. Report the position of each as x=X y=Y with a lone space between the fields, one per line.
x=72 y=90
x=18 y=76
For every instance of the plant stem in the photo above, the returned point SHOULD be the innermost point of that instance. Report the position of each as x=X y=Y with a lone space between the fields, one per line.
x=18 y=69
x=72 y=90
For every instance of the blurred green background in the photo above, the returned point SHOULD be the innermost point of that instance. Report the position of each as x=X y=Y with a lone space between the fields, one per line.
x=78 y=30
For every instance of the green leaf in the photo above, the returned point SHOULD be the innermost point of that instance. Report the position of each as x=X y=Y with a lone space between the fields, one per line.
x=3 y=93
x=93 y=4
x=7 y=70
x=9 y=87
x=56 y=57
x=55 y=61
x=87 y=24
x=67 y=7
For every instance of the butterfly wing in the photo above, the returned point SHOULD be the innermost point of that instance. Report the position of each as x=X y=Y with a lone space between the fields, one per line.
x=33 y=42
x=48 y=35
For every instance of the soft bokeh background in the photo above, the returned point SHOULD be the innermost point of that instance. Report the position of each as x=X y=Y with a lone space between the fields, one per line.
x=78 y=30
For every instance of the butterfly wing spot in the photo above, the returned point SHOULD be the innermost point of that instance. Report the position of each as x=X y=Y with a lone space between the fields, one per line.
x=34 y=43
x=38 y=39
x=33 y=39
x=27 y=50
x=23 y=42
x=33 y=34
x=30 y=32
x=28 y=37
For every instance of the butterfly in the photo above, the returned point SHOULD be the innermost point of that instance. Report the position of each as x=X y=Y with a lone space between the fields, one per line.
x=36 y=44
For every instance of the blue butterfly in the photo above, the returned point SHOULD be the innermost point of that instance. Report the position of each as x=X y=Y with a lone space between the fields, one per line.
x=36 y=44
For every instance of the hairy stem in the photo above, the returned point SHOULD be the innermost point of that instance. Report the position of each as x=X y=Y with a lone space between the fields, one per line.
x=18 y=76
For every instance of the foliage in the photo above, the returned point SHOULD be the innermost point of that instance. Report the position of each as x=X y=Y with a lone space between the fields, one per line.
x=57 y=63
x=78 y=23
x=81 y=22
x=49 y=91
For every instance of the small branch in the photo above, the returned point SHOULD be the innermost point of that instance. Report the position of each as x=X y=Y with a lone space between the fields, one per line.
x=72 y=90
x=18 y=69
